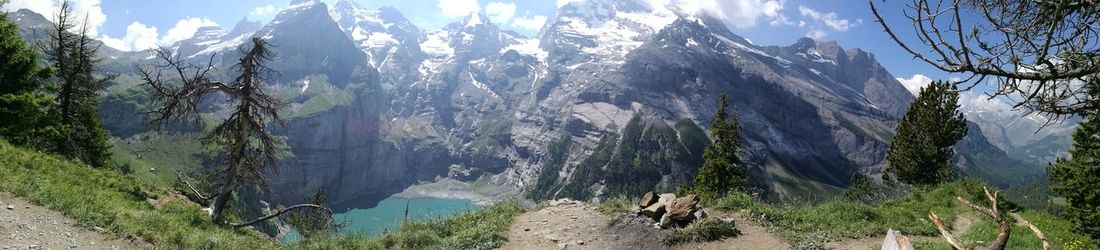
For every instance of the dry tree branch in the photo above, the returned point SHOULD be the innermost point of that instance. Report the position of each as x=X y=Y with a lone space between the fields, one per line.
x=285 y=210
x=1004 y=231
x=179 y=177
x=944 y=232
x=1032 y=49
x=1034 y=229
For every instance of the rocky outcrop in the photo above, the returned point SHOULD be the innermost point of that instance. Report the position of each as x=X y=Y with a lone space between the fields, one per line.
x=683 y=208
x=670 y=211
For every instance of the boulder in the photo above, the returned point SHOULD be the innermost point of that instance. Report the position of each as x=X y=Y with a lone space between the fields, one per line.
x=682 y=208
x=666 y=199
x=648 y=199
x=666 y=221
x=654 y=211
x=699 y=214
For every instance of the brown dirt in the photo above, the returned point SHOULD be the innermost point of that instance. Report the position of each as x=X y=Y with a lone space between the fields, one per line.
x=571 y=225
x=579 y=225
x=753 y=236
x=29 y=226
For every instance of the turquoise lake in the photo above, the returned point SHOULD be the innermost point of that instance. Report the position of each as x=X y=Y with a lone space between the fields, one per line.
x=390 y=212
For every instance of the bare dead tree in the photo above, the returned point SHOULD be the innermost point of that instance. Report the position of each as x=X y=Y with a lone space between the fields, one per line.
x=1043 y=54
x=1004 y=228
x=246 y=142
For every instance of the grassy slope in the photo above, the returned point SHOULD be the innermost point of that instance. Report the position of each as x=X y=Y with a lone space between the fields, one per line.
x=164 y=153
x=810 y=226
x=117 y=203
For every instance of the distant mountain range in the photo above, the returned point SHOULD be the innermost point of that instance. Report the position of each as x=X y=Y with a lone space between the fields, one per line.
x=609 y=97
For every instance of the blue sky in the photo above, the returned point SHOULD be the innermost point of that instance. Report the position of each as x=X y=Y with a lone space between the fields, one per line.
x=137 y=24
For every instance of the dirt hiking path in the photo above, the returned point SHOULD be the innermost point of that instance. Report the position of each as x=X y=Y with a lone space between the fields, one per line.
x=574 y=225
x=578 y=225
x=24 y=225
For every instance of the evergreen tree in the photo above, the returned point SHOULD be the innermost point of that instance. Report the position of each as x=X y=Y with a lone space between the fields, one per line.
x=1078 y=178
x=23 y=102
x=73 y=58
x=921 y=152
x=862 y=190
x=244 y=137
x=722 y=169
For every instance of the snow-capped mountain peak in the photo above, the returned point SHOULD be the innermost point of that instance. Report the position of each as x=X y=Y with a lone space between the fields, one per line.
x=473 y=20
x=378 y=33
x=583 y=30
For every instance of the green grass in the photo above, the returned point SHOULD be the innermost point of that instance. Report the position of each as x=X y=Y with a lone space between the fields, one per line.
x=615 y=206
x=709 y=229
x=320 y=96
x=810 y=226
x=117 y=203
x=1059 y=234
x=164 y=153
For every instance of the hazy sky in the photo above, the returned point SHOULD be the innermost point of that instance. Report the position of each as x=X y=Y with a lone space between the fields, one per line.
x=141 y=24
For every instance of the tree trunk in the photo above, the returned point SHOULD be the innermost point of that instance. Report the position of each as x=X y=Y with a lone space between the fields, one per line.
x=240 y=148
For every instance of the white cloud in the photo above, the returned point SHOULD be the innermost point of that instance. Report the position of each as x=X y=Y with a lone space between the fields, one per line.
x=263 y=10
x=500 y=12
x=529 y=23
x=914 y=83
x=81 y=9
x=138 y=37
x=184 y=29
x=740 y=13
x=44 y=7
x=564 y=2
x=781 y=20
x=828 y=18
x=980 y=102
x=816 y=34
x=970 y=102
x=141 y=37
x=458 y=8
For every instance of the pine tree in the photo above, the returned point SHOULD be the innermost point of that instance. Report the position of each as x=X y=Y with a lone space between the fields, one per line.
x=722 y=169
x=73 y=58
x=1078 y=178
x=23 y=101
x=244 y=136
x=921 y=152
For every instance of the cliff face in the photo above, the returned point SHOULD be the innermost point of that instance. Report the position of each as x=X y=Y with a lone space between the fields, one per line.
x=346 y=153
